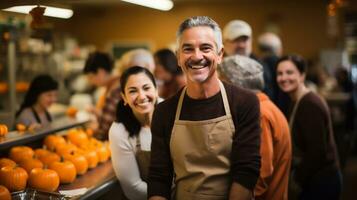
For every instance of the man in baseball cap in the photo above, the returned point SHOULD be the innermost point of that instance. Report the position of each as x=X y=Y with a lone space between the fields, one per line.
x=237 y=37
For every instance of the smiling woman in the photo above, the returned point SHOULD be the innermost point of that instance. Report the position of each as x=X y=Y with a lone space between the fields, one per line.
x=130 y=135
x=315 y=166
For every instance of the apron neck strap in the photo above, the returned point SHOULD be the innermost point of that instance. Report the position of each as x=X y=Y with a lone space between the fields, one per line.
x=224 y=97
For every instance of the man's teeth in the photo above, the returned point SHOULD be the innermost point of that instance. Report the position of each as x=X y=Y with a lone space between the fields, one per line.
x=197 y=66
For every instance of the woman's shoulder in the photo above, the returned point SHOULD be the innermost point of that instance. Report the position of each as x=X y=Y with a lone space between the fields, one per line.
x=25 y=116
x=312 y=102
x=118 y=131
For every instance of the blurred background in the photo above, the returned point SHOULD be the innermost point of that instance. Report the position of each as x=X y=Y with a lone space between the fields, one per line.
x=323 y=31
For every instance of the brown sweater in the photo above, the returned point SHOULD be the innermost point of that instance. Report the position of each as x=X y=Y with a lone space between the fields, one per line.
x=245 y=159
x=313 y=136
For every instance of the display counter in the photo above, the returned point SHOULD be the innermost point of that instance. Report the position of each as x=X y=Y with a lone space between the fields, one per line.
x=91 y=185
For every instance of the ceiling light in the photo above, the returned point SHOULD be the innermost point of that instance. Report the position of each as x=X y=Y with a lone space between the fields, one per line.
x=50 y=11
x=164 y=5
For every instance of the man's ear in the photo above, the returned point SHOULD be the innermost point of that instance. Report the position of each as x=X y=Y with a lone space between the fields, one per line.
x=220 y=55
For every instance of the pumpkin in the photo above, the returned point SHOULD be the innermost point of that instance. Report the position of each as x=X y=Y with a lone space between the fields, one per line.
x=79 y=161
x=22 y=86
x=103 y=154
x=6 y=162
x=52 y=141
x=46 y=157
x=13 y=178
x=89 y=132
x=31 y=163
x=20 y=127
x=77 y=137
x=3 y=130
x=19 y=153
x=91 y=157
x=107 y=145
x=44 y=179
x=71 y=111
x=65 y=149
x=65 y=170
x=4 y=193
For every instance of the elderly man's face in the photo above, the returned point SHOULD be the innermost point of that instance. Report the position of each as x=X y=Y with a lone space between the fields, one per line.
x=241 y=46
x=198 y=55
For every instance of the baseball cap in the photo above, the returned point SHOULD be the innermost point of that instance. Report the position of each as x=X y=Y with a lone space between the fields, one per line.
x=235 y=29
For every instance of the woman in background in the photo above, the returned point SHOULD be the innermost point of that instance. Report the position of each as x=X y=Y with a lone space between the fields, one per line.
x=130 y=134
x=168 y=73
x=41 y=94
x=315 y=163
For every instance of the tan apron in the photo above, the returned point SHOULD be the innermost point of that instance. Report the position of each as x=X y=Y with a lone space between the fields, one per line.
x=143 y=160
x=200 y=152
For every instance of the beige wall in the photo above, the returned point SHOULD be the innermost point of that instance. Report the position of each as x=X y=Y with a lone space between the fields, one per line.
x=302 y=26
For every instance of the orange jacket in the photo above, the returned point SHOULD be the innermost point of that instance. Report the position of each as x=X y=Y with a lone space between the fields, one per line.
x=275 y=151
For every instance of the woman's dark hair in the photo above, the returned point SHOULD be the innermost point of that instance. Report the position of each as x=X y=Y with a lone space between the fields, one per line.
x=98 y=60
x=124 y=113
x=297 y=60
x=40 y=84
x=168 y=60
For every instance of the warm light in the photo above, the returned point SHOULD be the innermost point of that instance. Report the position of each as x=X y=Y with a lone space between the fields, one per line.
x=164 y=5
x=50 y=11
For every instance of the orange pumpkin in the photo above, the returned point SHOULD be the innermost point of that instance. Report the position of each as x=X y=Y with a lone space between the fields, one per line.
x=89 y=132
x=77 y=137
x=13 y=178
x=107 y=145
x=22 y=86
x=3 y=130
x=4 y=193
x=103 y=154
x=65 y=149
x=91 y=157
x=41 y=152
x=19 y=153
x=44 y=179
x=20 y=127
x=46 y=157
x=6 y=162
x=31 y=163
x=65 y=170
x=71 y=111
x=52 y=141
x=79 y=161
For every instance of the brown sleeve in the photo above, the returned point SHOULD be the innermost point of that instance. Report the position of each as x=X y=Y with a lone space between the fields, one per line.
x=245 y=157
x=161 y=170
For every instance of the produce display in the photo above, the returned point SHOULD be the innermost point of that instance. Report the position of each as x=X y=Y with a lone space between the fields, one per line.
x=3 y=130
x=60 y=161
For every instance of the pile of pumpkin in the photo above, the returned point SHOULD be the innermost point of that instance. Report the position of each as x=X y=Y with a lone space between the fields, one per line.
x=58 y=162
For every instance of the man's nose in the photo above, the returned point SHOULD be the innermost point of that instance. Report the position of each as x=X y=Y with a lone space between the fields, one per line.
x=197 y=55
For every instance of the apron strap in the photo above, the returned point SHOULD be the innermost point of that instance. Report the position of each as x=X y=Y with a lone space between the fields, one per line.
x=179 y=106
x=138 y=143
x=36 y=115
x=224 y=97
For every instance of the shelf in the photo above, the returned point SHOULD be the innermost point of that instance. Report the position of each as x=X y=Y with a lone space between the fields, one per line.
x=15 y=138
x=98 y=181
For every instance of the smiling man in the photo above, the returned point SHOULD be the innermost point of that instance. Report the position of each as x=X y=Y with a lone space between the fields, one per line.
x=207 y=136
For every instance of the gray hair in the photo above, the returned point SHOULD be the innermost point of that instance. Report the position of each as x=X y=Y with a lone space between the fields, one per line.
x=242 y=71
x=136 y=57
x=201 y=21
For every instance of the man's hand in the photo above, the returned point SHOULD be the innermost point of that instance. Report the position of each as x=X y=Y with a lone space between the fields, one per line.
x=238 y=192
x=157 y=198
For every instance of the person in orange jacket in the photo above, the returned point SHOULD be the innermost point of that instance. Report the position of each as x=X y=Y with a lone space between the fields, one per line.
x=275 y=145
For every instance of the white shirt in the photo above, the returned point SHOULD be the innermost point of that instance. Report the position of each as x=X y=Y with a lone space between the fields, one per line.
x=125 y=166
